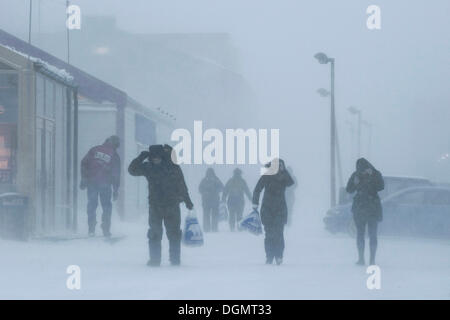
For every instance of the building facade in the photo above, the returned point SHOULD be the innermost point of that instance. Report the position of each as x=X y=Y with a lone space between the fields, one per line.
x=37 y=139
x=51 y=114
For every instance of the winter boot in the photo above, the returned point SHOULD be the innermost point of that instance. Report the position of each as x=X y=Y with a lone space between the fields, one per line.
x=106 y=233
x=360 y=262
x=91 y=231
x=278 y=260
x=373 y=250
x=175 y=252
x=269 y=260
x=155 y=253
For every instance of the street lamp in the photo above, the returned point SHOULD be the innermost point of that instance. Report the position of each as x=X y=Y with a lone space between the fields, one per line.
x=322 y=58
x=323 y=92
x=356 y=111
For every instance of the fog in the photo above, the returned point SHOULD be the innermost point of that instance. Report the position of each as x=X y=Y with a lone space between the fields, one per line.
x=398 y=76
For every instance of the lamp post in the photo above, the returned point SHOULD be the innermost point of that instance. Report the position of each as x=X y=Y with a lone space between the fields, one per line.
x=357 y=112
x=322 y=58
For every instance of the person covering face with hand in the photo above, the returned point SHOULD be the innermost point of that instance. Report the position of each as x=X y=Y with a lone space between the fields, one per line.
x=366 y=181
x=167 y=189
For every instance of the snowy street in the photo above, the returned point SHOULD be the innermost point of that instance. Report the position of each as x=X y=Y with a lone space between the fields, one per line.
x=229 y=266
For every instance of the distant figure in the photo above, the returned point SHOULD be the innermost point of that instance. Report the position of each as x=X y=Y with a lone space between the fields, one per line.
x=290 y=196
x=100 y=175
x=233 y=194
x=210 y=188
x=166 y=189
x=273 y=210
x=366 y=208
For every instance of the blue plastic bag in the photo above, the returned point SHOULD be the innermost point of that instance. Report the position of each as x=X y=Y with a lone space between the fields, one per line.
x=223 y=211
x=252 y=223
x=192 y=234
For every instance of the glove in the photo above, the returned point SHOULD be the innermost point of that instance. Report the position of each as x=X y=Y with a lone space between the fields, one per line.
x=255 y=206
x=83 y=184
x=356 y=180
x=115 y=195
x=189 y=204
x=143 y=155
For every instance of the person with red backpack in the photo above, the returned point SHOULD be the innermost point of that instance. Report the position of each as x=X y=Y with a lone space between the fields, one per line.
x=100 y=175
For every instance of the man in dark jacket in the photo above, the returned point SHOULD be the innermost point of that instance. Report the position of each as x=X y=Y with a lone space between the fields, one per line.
x=366 y=208
x=210 y=188
x=273 y=209
x=100 y=170
x=233 y=193
x=166 y=188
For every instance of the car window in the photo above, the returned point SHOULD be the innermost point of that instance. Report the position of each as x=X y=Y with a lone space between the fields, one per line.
x=411 y=198
x=438 y=198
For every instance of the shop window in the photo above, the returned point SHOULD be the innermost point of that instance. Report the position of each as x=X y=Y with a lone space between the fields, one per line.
x=8 y=126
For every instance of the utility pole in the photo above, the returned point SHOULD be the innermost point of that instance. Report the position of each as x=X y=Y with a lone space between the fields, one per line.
x=29 y=23
x=68 y=35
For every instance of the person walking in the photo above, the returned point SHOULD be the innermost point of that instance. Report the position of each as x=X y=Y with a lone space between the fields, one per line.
x=210 y=188
x=100 y=175
x=273 y=209
x=167 y=189
x=233 y=195
x=366 y=181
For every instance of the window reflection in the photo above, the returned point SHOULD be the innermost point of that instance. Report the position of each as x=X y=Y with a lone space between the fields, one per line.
x=8 y=125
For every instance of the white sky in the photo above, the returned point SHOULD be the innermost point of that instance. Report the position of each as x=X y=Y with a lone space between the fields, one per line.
x=399 y=75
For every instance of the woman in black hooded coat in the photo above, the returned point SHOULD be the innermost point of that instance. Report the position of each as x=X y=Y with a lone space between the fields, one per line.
x=366 y=208
x=273 y=209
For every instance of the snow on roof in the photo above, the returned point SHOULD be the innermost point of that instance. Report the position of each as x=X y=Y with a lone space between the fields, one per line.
x=59 y=72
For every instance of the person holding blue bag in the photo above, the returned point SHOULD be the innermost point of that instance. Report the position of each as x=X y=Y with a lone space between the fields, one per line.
x=167 y=189
x=273 y=209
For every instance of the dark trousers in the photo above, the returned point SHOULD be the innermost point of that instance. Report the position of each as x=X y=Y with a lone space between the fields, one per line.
x=210 y=217
x=170 y=215
x=372 y=224
x=235 y=210
x=274 y=240
x=104 y=192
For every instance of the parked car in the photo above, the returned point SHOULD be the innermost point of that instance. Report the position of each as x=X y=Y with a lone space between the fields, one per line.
x=417 y=211
x=392 y=184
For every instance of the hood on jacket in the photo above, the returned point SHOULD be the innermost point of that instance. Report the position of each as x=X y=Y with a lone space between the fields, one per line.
x=113 y=141
x=210 y=173
x=156 y=151
x=362 y=164
x=237 y=172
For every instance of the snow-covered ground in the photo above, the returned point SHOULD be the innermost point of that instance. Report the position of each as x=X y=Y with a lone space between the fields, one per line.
x=317 y=265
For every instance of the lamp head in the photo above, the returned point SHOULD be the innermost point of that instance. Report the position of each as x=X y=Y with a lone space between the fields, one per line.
x=323 y=92
x=322 y=58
